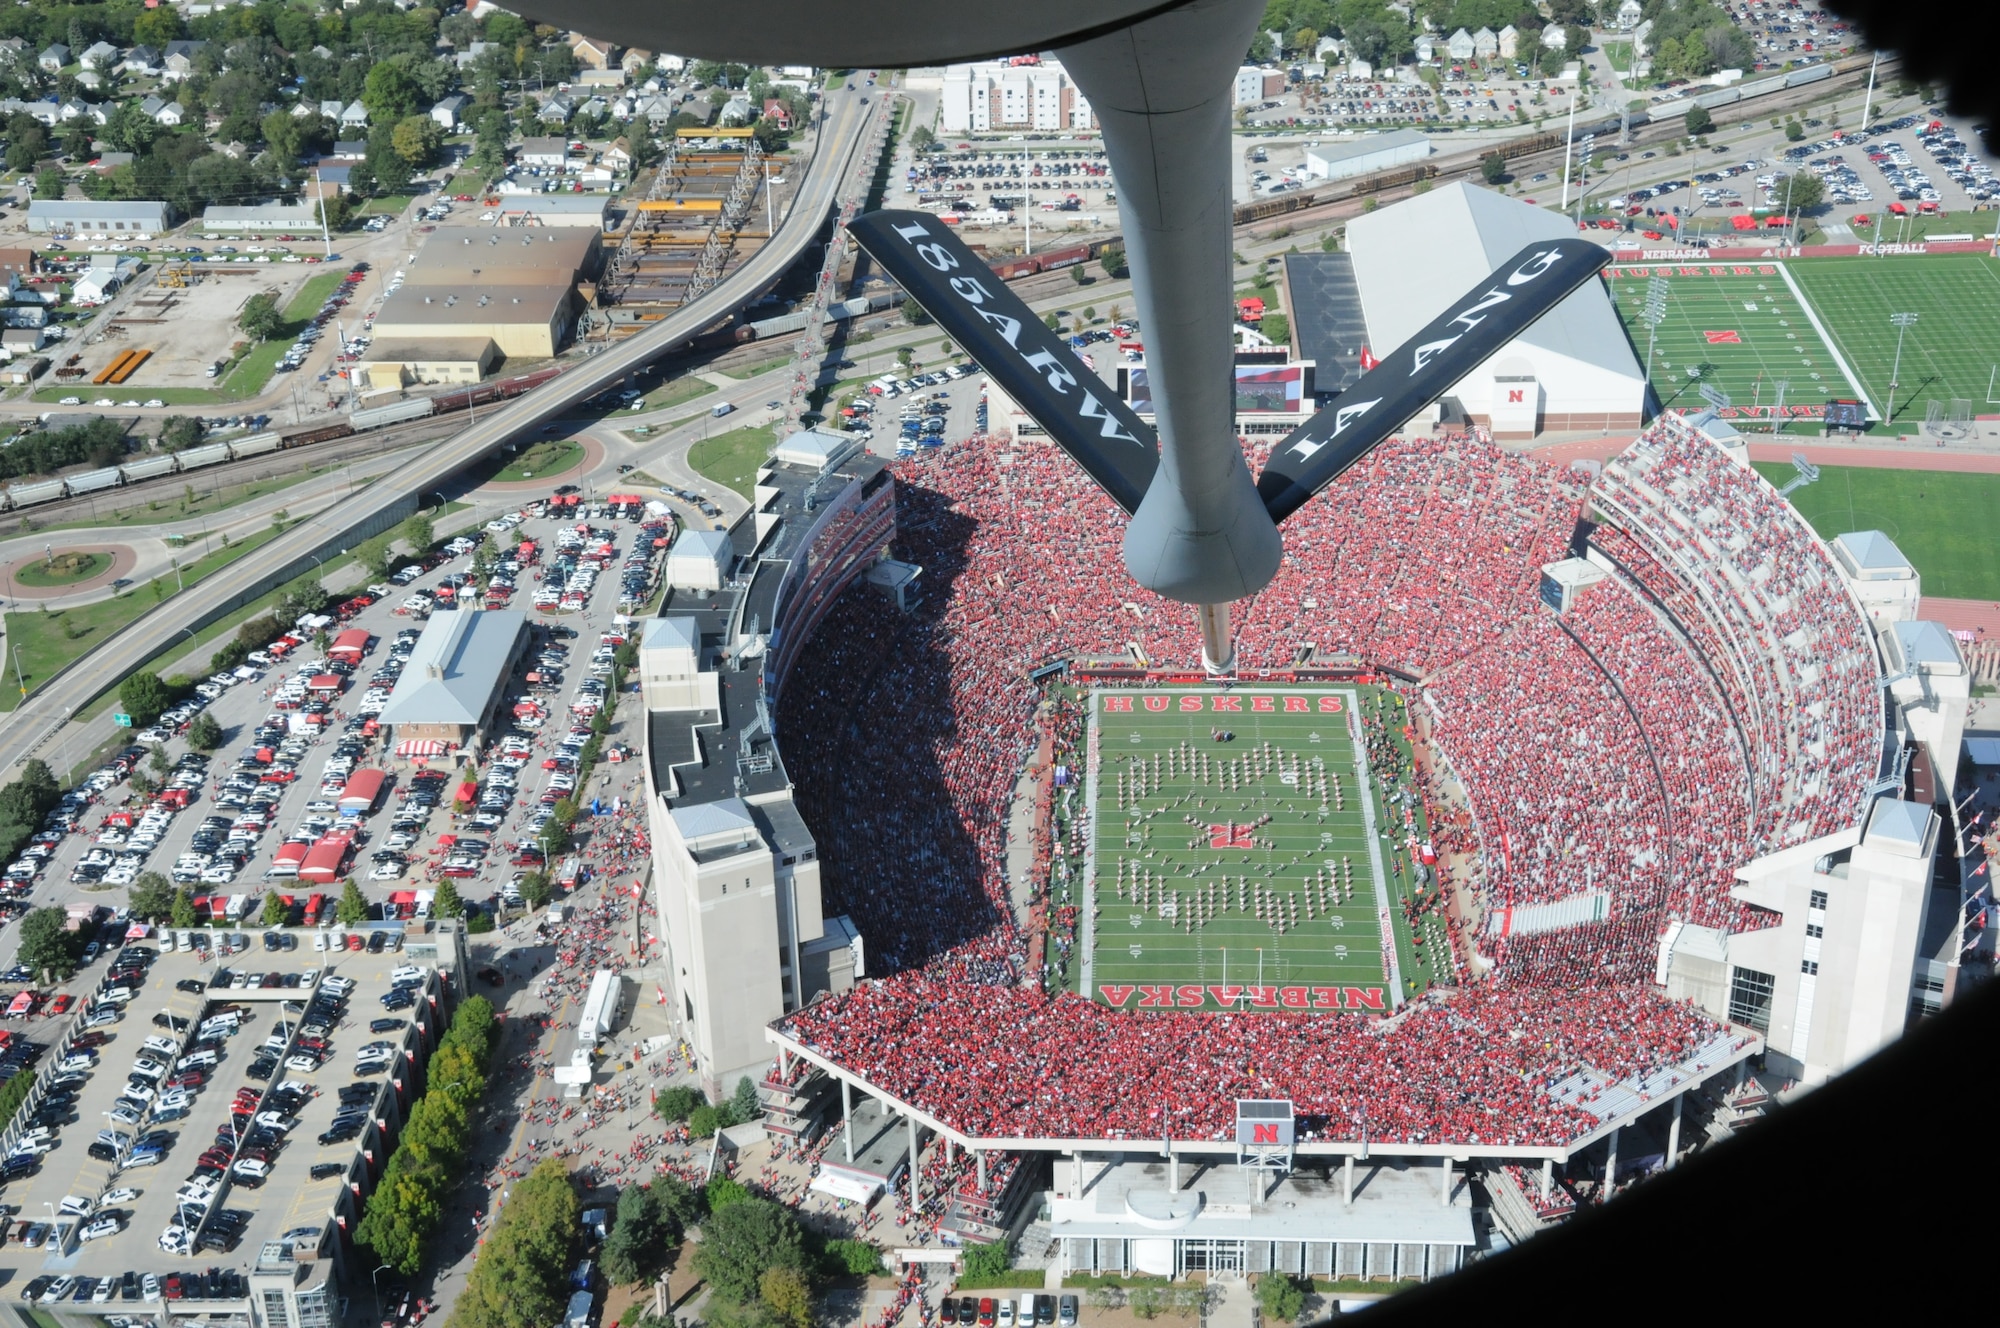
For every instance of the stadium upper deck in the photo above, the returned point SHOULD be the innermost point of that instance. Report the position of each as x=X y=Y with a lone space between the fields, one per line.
x=1619 y=762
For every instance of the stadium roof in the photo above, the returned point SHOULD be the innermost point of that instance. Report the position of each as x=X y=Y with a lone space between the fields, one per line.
x=666 y=633
x=725 y=816
x=1899 y=827
x=1412 y=260
x=1928 y=645
x=460 y=661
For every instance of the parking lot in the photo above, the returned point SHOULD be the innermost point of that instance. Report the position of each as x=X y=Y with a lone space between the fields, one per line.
x=1922 y=163
x=202 y=1120
x=296 y=724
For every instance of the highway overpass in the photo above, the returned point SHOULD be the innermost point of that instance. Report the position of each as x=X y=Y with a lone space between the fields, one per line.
x=852 y=121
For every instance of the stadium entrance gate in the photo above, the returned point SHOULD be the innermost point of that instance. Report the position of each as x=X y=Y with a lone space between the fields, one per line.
x=1212 y=1256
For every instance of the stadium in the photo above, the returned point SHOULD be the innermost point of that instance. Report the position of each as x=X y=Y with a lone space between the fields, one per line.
x=1634 y=723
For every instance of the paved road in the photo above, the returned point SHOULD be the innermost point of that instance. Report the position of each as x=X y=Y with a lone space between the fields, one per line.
x=850 y=119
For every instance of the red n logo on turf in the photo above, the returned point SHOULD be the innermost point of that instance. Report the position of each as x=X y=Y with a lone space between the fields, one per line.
x=1230 y=836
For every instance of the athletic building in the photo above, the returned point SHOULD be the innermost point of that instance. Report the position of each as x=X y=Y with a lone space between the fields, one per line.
x=735 y=867
x=449 y=693
x=1573 y=370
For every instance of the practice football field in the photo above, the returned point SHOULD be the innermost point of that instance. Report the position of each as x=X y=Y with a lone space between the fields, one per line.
x=1941 y=520
x=1950 y=352
x=1250 y=861
x=1745 y=331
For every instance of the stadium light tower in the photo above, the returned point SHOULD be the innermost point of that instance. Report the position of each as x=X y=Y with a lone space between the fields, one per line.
x=1159 y=76
x=1902 y=322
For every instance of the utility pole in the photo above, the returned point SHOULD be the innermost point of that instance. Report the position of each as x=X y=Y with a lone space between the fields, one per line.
x=318 y=190
x=1869 y=100
x=1569 y=141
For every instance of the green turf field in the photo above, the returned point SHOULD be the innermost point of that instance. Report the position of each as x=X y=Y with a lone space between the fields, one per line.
x=1941 y=520
x=1951 y=351
x=1745 y=332
x=1240 y=863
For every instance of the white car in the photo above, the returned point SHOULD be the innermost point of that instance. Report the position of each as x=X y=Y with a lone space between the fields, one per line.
x=250 y=1166
x=76 y=1205
x=102 y=1227
x=119 y=1196
x=149 y=1287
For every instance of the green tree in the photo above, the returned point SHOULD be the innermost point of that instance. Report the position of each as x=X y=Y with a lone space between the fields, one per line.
x=1493 y=168
x=534 y=885
x=1699 y=121
x=151 y=897
x=50 y=182
x=988 y=1261
x=12 y=1094
x=276 y=911
x=389 y=93
x=678 y=1102
x=521 y=1278
x=145 y=696
x=743 y=1103
x=1794 y=132
x=447 y=904
x=417 y=139
x=857 y=1258
x=179 y=432
x=377 y=555
x=205 y=734
x=417 y=534
x=1800 y=193
x=353 y=905
x=705 y=1120
x=183 y=908
x=401 y=1218
x=722 y=1192
x=740 y=1242
x=788 y=1295
x=284 y=138
x=1282 y=1298
x=48 y=946
x=643 y=1232
x=261 y=318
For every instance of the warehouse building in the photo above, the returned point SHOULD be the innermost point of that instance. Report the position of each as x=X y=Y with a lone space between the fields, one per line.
x=1574 y=370
x=76 y=216
x=553 y=210
x=523 y=322
x=1370 y=152
x=396 y=364
x=484 y=255
x=288 y=218
x=450 y=691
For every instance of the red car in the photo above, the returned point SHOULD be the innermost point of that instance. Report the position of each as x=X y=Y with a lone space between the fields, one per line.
x=62 y=1003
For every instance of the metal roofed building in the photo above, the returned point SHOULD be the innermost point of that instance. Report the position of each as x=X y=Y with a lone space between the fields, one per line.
x=1368 y=152
x=1572 y=370
x=452 y=687
x=553 y=210
x=1887 y=583
x=76 y=216
x=525 y=322
x=487 y=255
x=735 y=866
x=286 y=217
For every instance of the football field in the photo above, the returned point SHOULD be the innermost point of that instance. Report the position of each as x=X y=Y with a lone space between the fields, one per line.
x=1236 y=858
x=1740 y=327
x=1950 y=353
x=1941 y=520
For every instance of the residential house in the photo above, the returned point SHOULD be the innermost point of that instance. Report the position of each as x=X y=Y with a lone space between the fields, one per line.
x=591 y=53
x=673 y=64
x=1555 y=37
x=107 y=162
x=594 y=109
x=322 y=52
x=735 y=112
x=1630 y=15
x=23 y=340
x=54 y=58
x=1485 y=44
x=1426 y=49
x=89 y=113
x=354 y=117
x=90 y=80
x=777 y=113
x=543 y=152
x=601 y=79
x=621 y=108
x=1359 y=68
x=1642 y=39
x=466 y=58
x=350 y=149
x=656 y=108
x=557 y=110
x=166 y=112
x=447 y=111
x=48 y=110
x=99 y=55
x=16 y=263
x=1459 y=45
x=635 y=61
x=141 y=60
x=178 y=59
x=1510 y=41
x=619 y=155
x=332 y=109
x=13 y=50
x=329 y=179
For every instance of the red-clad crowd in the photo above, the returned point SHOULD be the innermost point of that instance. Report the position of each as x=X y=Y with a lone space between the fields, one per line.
x=1477 y=1066
x=1642 y=747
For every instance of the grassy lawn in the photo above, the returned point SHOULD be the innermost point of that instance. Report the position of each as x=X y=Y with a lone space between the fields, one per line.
x=1618 y=54
x=41 y=642
x=393 y=204
x=673 y=394
x=550 y=457
x=173 y=396
x=731 y=459
x=66 y=569
x=1942 y=521
x=313 y=294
